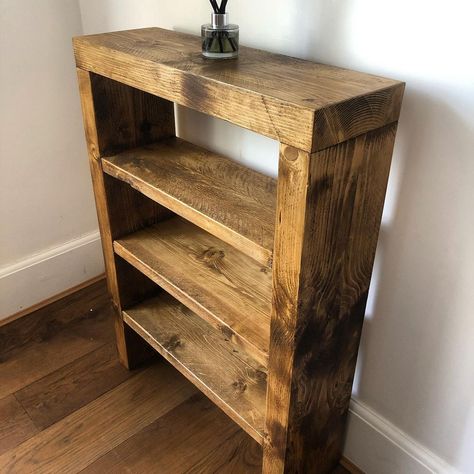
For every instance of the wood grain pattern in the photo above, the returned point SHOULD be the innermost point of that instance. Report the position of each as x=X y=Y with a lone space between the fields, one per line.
x=57 y=343
x=223 y=197
x=109 y=420
x=307 y=105
x=15 y=424
x=325 y=257
x=174 y=443
x=237 y=454
x=73 y=386
x=220 y=284
x=44 y=323
x=126 y=117
x=116 y=116
x=230 y=378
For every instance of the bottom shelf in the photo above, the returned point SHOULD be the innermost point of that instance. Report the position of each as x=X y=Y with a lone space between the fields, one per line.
x=228 y=376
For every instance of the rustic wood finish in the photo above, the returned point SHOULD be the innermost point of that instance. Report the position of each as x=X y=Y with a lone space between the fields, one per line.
x=313 y=232
x=230 y=378
x=327 y=234
x=228 y=289
x=211 y=191
x=307 y=105
x=117 y=116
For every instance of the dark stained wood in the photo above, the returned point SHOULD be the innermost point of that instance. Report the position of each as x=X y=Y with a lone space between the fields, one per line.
x=78 y=440
x=237 y=454
x=15 y=424
x=307 y=105
x=174 y=443
x=230 y=378
x=326 y=238
x=44 y=323
x=225 y=287
x=117 y=116
x=62 y=392
x=128 y=209
x=46 y=346
x=223 y=197
x=126 y=117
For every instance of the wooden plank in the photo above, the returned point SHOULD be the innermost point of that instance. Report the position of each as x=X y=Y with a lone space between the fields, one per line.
x=230 y=378
x=80 y=439
x=126 y=117
x=116 y=116
x=304 y=104
x=15 y=424
x=329 y=212
x=294 y=175
x=223 y=197
x=46 y=322
x=73 y=386
x=172 y=444
x=237 y=454
x=225 y=287
x=53 y=346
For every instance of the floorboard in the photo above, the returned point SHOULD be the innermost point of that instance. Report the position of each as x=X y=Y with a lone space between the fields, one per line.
x=62 y=392
x=76 y=441
x=15 y=424
x=173 y=443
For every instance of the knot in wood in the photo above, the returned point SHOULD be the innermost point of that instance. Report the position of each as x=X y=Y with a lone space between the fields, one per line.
x=173 y=343
x=240 y=385
x=212 y=256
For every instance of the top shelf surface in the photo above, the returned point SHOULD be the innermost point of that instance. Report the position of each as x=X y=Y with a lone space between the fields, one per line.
x=300 y=103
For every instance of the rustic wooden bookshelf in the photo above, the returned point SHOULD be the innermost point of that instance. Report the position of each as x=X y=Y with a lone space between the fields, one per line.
x=254 y=288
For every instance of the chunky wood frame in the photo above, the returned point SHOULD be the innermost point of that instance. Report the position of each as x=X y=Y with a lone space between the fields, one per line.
x=257 y=291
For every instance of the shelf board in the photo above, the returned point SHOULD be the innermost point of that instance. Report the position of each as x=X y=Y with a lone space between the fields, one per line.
x=227 y=376
x=219 y=283
x=223 y=197
x=300 y=103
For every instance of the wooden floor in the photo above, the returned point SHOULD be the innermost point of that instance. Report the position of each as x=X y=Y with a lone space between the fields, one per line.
x=67 y=406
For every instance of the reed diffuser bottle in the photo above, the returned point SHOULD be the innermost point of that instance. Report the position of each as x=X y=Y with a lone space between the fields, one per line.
x=220 y=40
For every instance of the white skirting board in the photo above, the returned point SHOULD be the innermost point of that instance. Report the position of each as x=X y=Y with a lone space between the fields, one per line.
x=41 y=276
x=378 y=447
x=372 y=443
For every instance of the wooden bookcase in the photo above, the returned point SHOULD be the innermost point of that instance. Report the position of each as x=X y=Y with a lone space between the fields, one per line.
x=253 y=288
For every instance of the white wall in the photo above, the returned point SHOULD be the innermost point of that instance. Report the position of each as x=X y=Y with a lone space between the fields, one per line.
x=413 y=408
x=48 y=228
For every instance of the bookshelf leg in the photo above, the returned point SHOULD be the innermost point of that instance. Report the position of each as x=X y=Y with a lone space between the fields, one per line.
x=118 y=117
x=328 y=217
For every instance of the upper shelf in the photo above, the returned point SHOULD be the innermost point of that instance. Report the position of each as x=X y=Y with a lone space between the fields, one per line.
x=219 y=195
x=300 y=103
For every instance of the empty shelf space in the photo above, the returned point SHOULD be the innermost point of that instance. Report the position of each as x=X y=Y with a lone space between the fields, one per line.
x=227 y=376
x=222 y=285
x=225 y=198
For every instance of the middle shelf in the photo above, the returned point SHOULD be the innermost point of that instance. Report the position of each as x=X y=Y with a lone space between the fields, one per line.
x=220 y=284
x=219 y=195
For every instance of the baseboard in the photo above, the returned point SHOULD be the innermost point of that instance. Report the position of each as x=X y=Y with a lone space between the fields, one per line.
x=41 y=276
x=377 y=446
